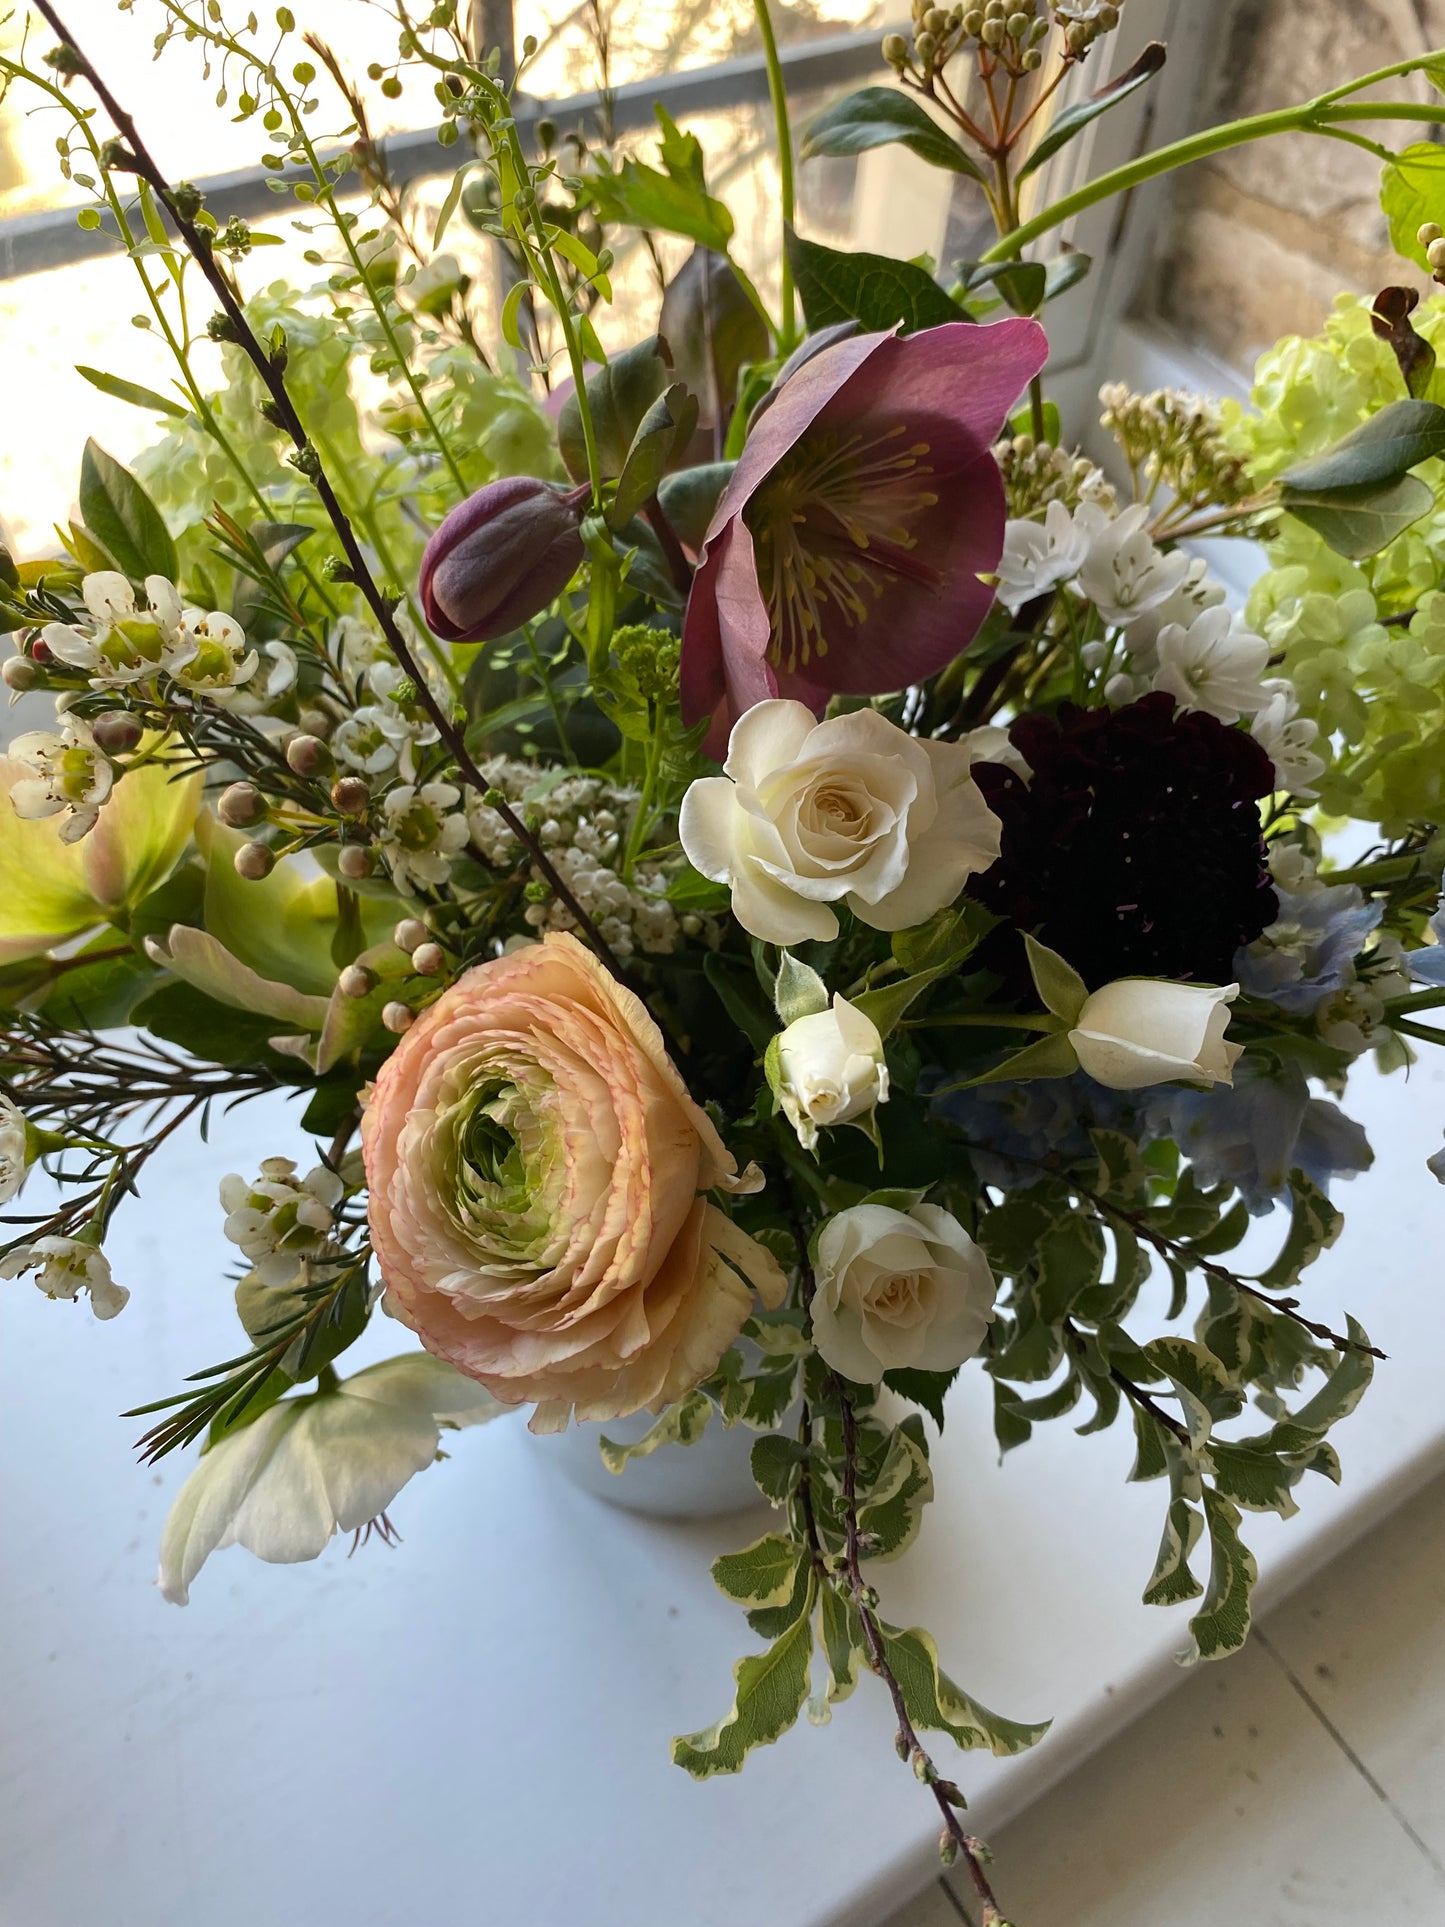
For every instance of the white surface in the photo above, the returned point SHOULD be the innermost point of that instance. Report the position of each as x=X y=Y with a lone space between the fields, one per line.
x=1299 y=1785
x=480 y=1718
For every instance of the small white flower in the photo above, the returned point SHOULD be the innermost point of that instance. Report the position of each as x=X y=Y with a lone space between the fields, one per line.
x=1197 y=592
x=1143 y=1030
x=854 y=808
x=371 y=740
x=1293 y=868
x=830 y=1070
x=70 y=774
x=1212 y=666
x=899 y=1290
x=1286 y=738
x=1040 y=556
x=219 y=659
x=65 y=1267
x=274 y=679
x=421 y=831
x=282 y=1485
x=126 y=643
x=277 y=1221
x=1125 y=574
x=14 y=1154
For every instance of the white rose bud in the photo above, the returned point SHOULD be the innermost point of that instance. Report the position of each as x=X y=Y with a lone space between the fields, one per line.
x=1142 y=1031
x=830 y=1070
x=899 y=1290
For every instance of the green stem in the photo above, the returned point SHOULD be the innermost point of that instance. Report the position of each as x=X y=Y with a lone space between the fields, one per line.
x=983 y=1020
x=544 y=677
x=1313 y=117
x=1417 y=1000
x=778 y=94
x=642 y=816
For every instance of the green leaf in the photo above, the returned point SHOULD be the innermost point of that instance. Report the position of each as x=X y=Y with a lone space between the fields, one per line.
x=1171 y=1581
x=123 y=518
x=1221 y=1625
x=1314 y=1227
x=1151 y=1455
x=928 y=1389
x=1386 y=447
x=890 y=1514
x=1066 y=271
x=1341 y=1392
x=1360 y=526
x=681 y=1424
x=689 y=498
x=935 y=950
x=620 y=393
x=1071 y=1260
x=1256 y=1481
x=1412 y=192
x=935 y=1702
x=691 y=891
x=677 y=200
x=1012 y=1232
x=1062 y=989
x=662 y=434
x=1205 y=1389
x=871 y=289
x=215 y=1033
x=1123 y=1173
x=777 y=1462
x=879 y=117
x=740 y=999
x=132 y=392
x=762 y=1574
x=771 y=1689
x=842 y=1641
x=1049 y=1057
x=799 y=991
x=1073 y=120
x=709 y=322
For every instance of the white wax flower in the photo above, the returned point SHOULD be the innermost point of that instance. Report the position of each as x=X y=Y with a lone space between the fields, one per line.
x=14 y=1158
x=278 y=1220
x=422 y=830
x=69 y=774
x=1125 y=574
x=219 y=660
x=830 y=1069
x=282 y=1485
x=1213 y=666
x=65 y=1267
x=1040 y=556
x=898 y=1290
x=808 y=813
x=127 y=642
x=1143 y=1030
x=275 y=677
x=1287 y=738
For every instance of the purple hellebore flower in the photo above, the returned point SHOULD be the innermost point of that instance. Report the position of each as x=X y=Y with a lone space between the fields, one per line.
x=844 y=555
x=499 y=558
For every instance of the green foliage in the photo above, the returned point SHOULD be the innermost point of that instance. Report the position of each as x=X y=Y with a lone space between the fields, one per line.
x=681 y=1424
x=133 y=392
x=879 y=117
x=771 y=1688
x=1412 y=192
x=619 y=396
x=121 y=516
x=674 y=199
x=872 y=289
x=936 y=1704
x=1073 y=120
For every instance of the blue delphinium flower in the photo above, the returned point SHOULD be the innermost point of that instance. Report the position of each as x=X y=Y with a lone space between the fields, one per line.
x=1020 y=1133
x=1308 y=953
x=1253 y=1135
x=1428 y=966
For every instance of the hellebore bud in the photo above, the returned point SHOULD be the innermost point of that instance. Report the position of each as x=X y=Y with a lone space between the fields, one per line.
x=499 y=558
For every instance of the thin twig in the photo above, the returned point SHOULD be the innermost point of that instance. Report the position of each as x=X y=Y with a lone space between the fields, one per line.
x=139 y=161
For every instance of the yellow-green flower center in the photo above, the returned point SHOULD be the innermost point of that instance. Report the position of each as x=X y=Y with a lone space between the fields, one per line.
x=831 y=526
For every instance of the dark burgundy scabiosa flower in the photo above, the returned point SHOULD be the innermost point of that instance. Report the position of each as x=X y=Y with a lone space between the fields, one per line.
x=1134 y=849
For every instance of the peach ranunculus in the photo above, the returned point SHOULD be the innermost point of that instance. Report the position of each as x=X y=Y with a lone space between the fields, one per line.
x=538 y=1175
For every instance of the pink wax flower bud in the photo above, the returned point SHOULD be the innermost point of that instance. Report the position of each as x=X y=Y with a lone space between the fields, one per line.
x=500 y=557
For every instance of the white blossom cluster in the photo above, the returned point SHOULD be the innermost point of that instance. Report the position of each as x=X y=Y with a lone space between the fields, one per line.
x=383 y=733
x=278 y=1220
x=126 y=643
x=1165 y=626
x=582 y=825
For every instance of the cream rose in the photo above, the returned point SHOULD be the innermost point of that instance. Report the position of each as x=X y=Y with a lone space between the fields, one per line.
x=1142 y=1031
x=897 y=1290
x=853 y=810
x=537 y=1173
x=830 y=1069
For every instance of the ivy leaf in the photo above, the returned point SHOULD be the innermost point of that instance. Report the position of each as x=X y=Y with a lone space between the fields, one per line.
x=1412 y=191
x=771 y=1688
x=123 y=518
x=871 y=289
x=1221 y=1625
x=935 y=1702
x=762 y=1574
x=1072 y=121
x=878 y=117
x=681 y=1424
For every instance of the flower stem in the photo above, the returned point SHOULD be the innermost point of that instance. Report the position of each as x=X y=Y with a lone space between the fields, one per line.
x=778 y=95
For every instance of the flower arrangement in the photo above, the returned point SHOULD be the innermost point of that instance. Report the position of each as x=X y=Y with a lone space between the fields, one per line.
x=770 y=878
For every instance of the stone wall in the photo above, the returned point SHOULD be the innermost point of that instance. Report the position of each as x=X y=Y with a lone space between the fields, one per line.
x=1259 y=240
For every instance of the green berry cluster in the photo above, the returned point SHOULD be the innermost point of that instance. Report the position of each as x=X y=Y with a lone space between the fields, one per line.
x=1010 y=31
